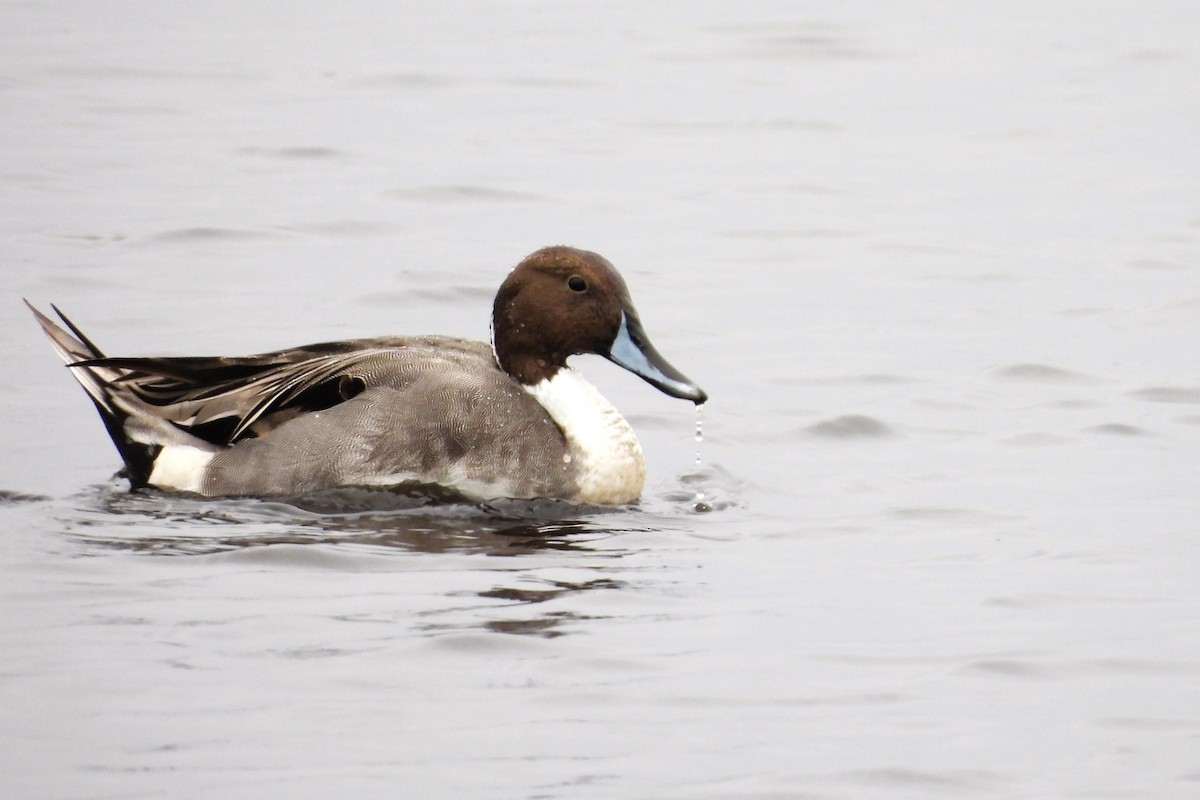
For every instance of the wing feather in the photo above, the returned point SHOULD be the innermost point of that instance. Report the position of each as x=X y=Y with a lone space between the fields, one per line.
x=223 y=399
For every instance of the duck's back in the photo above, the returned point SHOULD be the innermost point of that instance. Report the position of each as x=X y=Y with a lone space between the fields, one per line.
x=429 y=410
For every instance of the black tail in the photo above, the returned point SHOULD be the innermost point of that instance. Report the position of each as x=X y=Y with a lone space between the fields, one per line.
x=98 y=382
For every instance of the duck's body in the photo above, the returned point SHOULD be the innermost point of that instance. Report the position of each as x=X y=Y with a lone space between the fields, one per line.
x=506 y=420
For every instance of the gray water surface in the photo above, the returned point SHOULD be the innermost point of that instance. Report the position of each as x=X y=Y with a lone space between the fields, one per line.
x=937 y=265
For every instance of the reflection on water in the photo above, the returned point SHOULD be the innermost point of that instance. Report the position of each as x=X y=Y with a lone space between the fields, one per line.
x=420 y=520
x=158 y=523
x=551 y=623
x=376 y=531
x=361 y=531
x=9 y=498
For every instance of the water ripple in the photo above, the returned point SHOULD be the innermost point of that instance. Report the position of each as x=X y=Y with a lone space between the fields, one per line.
x=210 y=234
x=851 y=426
x=1118 y=429
x=465 y=193
x=1040 y=373
x=1074 y=669
x=1169 y=394
x=903 y=778
x=301 y=153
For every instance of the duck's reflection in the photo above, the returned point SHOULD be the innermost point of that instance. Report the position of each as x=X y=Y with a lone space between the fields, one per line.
x=164 y=524
x=376 y=523
x=549 y=624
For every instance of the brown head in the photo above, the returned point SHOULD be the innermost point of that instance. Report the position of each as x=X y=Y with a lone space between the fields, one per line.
x=560 y=302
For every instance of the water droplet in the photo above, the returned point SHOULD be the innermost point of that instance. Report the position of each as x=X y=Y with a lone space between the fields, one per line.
x=699 y=503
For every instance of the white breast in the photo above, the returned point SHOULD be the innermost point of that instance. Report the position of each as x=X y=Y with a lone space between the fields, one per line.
x=609 y=459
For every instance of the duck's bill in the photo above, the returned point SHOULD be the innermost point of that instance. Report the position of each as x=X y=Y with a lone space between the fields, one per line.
x=633 y=351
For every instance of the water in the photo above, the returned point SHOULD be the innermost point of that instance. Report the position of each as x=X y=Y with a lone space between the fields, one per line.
x=935 y=265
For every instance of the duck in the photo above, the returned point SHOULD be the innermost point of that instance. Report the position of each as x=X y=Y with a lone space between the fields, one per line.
x=480 y=420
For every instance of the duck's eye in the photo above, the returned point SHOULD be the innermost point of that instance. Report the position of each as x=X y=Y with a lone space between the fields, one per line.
x=577 y=284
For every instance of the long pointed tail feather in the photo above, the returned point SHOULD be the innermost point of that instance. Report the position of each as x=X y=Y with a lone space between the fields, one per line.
x=116 y=410
x=72 y=351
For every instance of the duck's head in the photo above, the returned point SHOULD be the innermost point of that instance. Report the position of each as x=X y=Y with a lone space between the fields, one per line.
x=561 y=302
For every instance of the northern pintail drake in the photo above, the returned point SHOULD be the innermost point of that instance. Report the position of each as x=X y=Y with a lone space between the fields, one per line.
x=506 y=420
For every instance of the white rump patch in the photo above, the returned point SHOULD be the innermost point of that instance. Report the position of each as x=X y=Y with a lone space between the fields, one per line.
x=180 y=467
x=611 y=467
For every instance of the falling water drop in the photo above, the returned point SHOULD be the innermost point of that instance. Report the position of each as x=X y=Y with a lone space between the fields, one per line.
x=699 y=503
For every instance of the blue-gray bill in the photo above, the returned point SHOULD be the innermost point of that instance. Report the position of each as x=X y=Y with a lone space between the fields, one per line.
x=633 y=351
